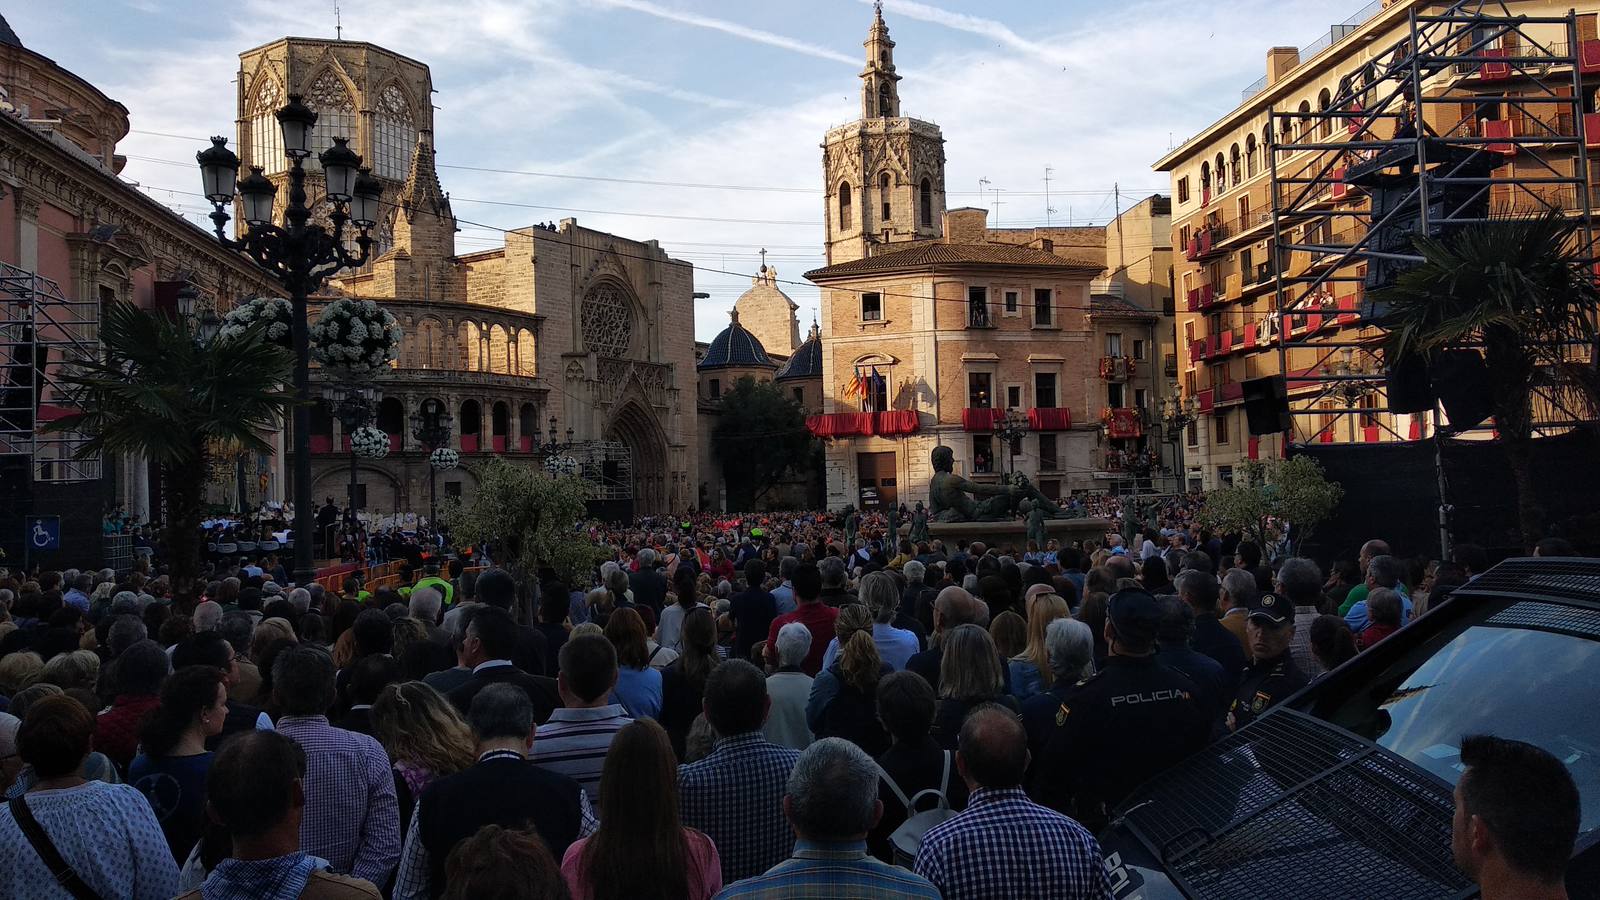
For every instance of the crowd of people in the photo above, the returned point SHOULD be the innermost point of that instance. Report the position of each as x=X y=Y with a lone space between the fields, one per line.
x=782 y=705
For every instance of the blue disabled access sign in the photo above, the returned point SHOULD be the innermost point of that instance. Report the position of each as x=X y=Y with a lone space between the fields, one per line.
x=44 y=533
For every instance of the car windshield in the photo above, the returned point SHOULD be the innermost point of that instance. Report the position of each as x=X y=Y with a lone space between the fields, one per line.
x=1534 y=686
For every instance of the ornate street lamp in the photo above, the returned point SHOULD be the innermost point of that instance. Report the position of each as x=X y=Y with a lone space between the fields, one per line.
x=553 y=452
x=430 y=425
x=298 y=255
x=1009 y=429
x=1178 y=412
x=354 y=404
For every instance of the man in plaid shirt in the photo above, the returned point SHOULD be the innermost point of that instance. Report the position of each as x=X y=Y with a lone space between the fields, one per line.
x=351 y=818
x=735 y=795
x=1005 y=845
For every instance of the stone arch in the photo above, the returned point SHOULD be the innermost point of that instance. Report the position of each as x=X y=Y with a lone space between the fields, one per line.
x=499 y=350
x=845 y=219
x=471 y=346
x=637 y=428
x=392 y=418
x=527 y=426
x=385 y=491
x=469 y=422
x=500 y=426
x=527 y=355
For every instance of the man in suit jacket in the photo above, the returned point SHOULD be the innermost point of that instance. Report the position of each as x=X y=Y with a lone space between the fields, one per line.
x=502 y=788
x=530 y=652
x=649 y=586
x=486 y=646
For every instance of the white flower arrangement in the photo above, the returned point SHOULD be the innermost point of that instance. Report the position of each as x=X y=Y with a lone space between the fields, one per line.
x=357 y=336
x=370 y=442
x=276 y=312
x=560 y=465
x=444 y=459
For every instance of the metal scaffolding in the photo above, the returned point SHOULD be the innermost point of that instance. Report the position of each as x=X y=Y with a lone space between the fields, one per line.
x=43 y=337
x=608 y=465
x=1475 y=112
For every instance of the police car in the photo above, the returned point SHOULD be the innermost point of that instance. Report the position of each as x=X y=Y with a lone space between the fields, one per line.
x=1346 y=788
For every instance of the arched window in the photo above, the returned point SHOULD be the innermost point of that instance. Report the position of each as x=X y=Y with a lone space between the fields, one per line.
x=844 y=205
x=266 y=137
x=527 y=427
x=428 y=342
x=470 y=422
x=884 y=111
x=925 y=203
x=1221 y=170
x=394 y=134
x=499 y=350
x=500 y=426
x=1325 y=128
x=883 y=196
x=1266 y=138
x=392 y=417
x=471 y=358
x=1205 y=175
x=1303 y=123
x=527 y=360
x=336 y=116
x=1250 y=157
x=1235 y=172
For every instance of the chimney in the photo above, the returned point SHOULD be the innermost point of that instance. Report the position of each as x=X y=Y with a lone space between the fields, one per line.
x=1043 y=243
x=966 y=225
x=1279 y=61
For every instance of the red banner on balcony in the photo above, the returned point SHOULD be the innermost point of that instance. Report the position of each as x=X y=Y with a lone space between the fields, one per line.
x=1249 y=336
x=469 y=443
x=395 y=443
x=1415 y=432
x=1500 y=128
x=498 y=442
x=525 y=443
x=1254 y=451
x=1589 y=57
x=1207 y=400
x=1339 y=187
x=322 y=443
x=1057 y=418
x=1370 y=434
x=836 y=425
x=1591 y=129
x=1495 y=71
x=894 y=421
x=1122 y=422
x=981 y=419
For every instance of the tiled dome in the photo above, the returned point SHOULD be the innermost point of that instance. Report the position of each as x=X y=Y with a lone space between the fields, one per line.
x=735 y=348
x=806 y=361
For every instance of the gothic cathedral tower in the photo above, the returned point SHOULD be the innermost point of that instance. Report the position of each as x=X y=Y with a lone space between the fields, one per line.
x=883 y=174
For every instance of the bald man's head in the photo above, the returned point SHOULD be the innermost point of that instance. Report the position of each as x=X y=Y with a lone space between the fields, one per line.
x=954 y=606
x=1373 y=548
x=993 y=747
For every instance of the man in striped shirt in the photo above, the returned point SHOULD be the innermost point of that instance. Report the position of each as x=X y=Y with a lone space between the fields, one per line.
x=575 y=739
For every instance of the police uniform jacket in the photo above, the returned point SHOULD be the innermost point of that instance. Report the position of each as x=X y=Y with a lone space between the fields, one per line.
x=1114 y=730
x=1265 y=684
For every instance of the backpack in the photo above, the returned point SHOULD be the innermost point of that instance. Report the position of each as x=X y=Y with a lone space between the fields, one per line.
x=908 y=837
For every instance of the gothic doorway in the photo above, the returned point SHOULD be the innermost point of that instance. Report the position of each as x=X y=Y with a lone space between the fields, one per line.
x=638 y=429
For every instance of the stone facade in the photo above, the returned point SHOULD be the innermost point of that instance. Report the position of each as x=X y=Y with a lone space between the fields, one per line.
x=768 y=313
x=563 y=322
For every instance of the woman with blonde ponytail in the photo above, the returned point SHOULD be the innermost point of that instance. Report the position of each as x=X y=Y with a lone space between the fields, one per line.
x=844 y=695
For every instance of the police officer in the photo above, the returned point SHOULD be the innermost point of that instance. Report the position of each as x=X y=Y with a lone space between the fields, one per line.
x=1273 y=676
x=1118 y=727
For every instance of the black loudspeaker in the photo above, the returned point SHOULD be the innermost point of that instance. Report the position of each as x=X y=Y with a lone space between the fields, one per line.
x=1407 y=385
x=1461 y=382
x=1266 y=404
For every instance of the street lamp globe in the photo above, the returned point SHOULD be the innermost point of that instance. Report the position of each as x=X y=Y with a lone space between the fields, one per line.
x=257 y=192
x=219 y=166
x=296 y=119
x=365 y=199
x=339 y=165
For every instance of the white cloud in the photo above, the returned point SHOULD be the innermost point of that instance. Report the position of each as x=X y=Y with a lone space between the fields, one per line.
x=726 y=27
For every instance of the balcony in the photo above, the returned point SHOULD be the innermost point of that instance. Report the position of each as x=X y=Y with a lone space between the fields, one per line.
x=1205 y=242
x=1049 y=418
x=1231 y=392
x=1201 y=297
x=1050 y=464
x=1117 y=368
x=1169 y=365
x=979 y=317
x=981 y=418
x=1122 y=422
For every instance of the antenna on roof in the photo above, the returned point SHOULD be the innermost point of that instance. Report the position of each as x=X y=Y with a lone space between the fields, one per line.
x=1048 y=209
x=338 y=23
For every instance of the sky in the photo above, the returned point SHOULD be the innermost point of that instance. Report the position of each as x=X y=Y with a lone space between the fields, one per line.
x=721 y=105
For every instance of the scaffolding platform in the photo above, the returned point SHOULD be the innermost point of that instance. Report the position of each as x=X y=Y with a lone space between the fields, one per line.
x=44 y=336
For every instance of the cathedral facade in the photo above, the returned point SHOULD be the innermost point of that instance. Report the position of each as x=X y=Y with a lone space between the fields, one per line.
x=563 y=324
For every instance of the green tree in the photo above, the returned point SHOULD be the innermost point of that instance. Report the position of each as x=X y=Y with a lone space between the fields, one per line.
x=159 y=392
x=1265 y=495
x=531 y=518
x=1517 y=288
x=760 y=436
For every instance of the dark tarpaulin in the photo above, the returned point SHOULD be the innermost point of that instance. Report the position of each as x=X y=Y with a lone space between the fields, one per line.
x=1391 y=492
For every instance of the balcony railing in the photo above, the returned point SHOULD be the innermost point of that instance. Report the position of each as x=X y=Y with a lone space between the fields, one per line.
x=978 y=317
x=1117 y=368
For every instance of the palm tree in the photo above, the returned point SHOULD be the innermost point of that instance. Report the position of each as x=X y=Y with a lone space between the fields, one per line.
x=1516 y=288
x=159 y=392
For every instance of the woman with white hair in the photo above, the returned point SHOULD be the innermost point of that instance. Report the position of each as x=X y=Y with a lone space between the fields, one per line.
x=1069 y=643
x=789 y=689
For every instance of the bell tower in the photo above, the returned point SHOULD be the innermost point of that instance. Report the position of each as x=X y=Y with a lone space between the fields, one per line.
x=883 y=174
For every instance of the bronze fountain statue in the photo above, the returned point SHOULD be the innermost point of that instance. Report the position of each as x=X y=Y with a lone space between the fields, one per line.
x=954 y=498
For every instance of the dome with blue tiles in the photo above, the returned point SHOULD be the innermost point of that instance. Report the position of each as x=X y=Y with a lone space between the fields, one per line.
x=735 y=348
x=806 y=361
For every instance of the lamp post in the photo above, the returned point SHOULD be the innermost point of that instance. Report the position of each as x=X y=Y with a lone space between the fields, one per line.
x=298 y=255
x=552 y=451
x=430 y=425
x=1351 y=384
x=1009 y=429
x=353 y=405
x=1177 y=413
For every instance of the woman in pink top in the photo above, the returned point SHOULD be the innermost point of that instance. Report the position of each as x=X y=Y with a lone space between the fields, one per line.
x=642 y=851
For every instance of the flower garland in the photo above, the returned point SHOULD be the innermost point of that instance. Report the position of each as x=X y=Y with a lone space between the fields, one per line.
x=560 y=465
x=357 y=336
x=370 y=442
x=444 y=459
x=276 y=312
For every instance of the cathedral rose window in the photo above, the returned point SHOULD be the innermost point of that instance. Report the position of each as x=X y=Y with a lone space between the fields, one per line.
x=607 y=321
